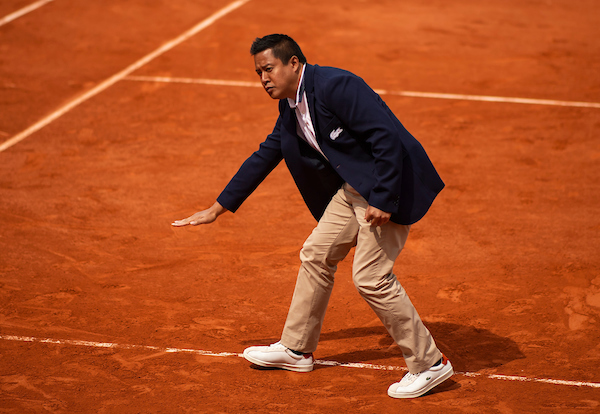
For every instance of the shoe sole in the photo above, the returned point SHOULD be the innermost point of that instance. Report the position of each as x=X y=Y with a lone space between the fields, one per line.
x=289 y=367
x=425 y=390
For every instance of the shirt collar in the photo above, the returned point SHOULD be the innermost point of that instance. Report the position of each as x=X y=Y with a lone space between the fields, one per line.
x=300 y=92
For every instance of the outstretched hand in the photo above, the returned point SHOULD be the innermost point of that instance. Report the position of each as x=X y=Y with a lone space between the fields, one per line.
x=202 y=217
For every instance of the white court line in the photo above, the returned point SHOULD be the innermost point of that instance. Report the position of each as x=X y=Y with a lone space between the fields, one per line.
x=384 y=92
x=115 y=78
x=503 y=99
x=194 y=80
x=318 y=361
x=23 y=11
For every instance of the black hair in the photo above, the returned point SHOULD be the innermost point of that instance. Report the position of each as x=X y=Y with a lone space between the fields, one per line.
x=283 y=46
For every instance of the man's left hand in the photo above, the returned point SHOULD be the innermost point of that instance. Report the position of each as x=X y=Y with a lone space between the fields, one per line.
x=376 y=217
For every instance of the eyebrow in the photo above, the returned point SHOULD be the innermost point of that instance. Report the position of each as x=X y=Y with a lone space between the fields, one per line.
x=260 y=68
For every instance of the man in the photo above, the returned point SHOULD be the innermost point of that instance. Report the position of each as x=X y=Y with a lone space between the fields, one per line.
x=366 y=180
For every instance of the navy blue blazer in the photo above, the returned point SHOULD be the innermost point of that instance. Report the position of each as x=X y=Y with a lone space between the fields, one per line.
x=365 y=145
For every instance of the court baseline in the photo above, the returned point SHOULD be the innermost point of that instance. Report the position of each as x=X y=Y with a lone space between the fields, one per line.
x=112 y=345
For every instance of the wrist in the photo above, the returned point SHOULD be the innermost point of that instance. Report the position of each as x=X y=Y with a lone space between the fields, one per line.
x=218 y=209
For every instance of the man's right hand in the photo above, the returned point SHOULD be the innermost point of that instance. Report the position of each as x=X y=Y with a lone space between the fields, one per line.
x=202 y=217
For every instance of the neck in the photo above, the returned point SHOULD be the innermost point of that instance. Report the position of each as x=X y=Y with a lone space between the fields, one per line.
x=299 y=79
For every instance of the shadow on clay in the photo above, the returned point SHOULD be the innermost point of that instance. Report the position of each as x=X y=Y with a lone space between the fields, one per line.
x=468 y=348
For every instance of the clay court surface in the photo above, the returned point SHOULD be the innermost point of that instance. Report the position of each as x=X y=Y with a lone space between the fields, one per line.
x=104 y=307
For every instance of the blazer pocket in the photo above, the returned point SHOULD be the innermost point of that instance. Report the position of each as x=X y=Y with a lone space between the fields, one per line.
x=334 y=130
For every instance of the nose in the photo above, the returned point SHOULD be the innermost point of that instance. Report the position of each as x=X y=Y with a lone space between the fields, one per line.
x=264 y=78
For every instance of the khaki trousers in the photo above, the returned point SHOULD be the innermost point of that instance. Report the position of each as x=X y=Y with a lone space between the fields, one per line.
x=342 y=227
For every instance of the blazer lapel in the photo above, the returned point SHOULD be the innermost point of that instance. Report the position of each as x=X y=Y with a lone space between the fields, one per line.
x=309 y=88
x=289 y=120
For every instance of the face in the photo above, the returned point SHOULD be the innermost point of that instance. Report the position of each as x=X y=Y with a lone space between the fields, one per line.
x=279 y=80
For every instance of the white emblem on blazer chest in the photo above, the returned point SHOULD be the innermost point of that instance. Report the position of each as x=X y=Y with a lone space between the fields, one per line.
x=335 y=133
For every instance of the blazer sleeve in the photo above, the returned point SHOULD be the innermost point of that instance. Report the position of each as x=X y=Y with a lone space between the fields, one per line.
x=253 y=171
x=371 y=122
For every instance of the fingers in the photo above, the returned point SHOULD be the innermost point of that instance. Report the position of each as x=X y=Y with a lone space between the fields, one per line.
x=378 y=221
x=201 y=217
x=192 y=220
x=374 y=221
x=376 y=217
x=181 y=223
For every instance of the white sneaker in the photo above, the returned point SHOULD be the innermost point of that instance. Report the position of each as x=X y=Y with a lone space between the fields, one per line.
x=415 y=385
x=278 y=356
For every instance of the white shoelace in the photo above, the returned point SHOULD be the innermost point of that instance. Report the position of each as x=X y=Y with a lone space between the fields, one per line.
x=409 y=378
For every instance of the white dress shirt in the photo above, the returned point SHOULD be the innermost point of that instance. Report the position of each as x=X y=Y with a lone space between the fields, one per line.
x=304 y=124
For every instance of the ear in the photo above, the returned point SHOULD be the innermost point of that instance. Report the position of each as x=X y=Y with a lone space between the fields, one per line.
x=295 y=62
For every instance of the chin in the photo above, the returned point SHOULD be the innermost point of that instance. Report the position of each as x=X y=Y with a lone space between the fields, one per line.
x=274 y=96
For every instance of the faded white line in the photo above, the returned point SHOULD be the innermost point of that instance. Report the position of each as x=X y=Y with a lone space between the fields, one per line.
x=527 y=379
x=23 y=11
x=115 y=78
x=318 y=361
x=431 y=95
x=194 y=80
x=503 y=99
x=114 y=345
